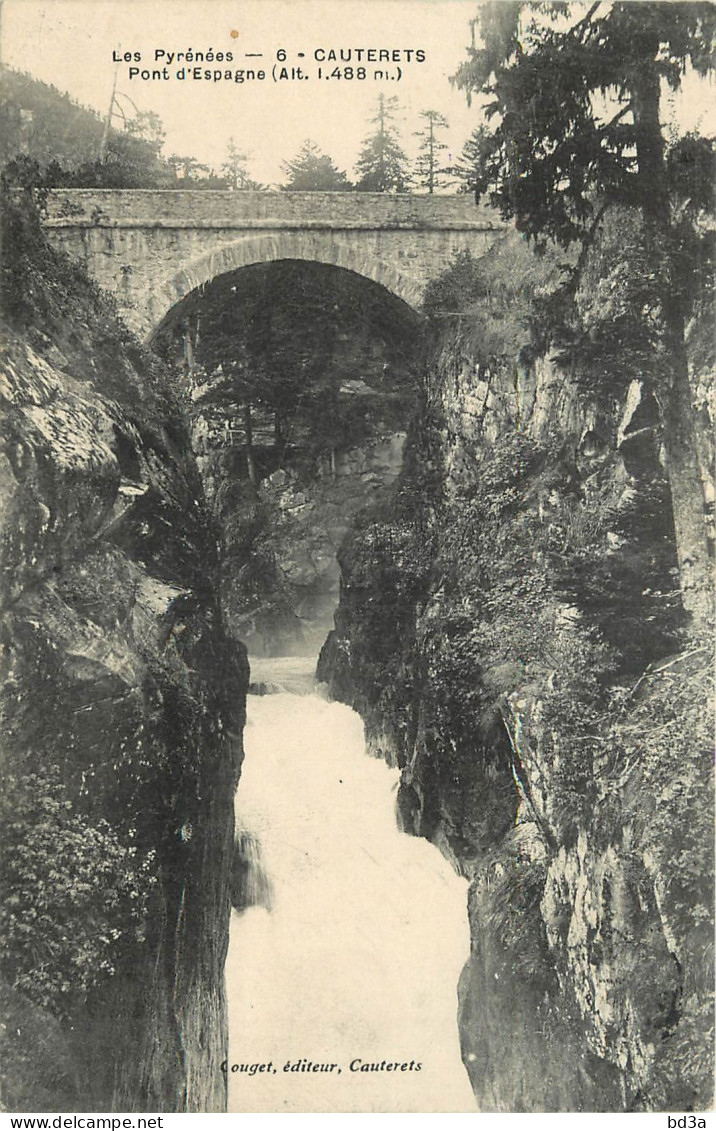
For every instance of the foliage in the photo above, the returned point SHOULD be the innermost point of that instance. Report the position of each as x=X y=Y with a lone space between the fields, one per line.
x=430 y=173
x=527 y=568
x=512 y=914
x=561 y=90
x=43 y=125
x=546 y=604
x=382 y=164
x=457 y=288
x=662 y=743
x=75 y=893
x=236 y=169
x=146 y=125
x=64 y=139
x=576 y=104
x=549 y=591
x=553 y=163
x=287 y=339
x=313 y=171
x=137 y=729
x=610 y=333
x=323 y=362
x=472 y=160
x=501 y=298
x=691 y=169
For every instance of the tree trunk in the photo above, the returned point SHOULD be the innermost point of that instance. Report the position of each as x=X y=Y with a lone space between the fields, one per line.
x=189 y=357
x=672 y=386
x=249 y=444
x=687 y=496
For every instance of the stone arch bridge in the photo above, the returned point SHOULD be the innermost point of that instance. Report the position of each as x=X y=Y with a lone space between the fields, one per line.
x=152 y=247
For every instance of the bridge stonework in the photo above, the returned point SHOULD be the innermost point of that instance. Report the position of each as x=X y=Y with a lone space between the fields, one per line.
x=152 y=247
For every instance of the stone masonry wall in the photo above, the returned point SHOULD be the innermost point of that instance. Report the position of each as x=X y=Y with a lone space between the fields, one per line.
x=151 y=248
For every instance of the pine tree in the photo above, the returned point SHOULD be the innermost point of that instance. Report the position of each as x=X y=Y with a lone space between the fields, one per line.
x=149 y=127
x=236 y=168
x=430 y=174
x=575 y=98
x=382 y=165
x=313 y=171
x=467 y=169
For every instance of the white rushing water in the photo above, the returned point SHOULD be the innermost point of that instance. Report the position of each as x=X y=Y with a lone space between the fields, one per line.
x=359 y=957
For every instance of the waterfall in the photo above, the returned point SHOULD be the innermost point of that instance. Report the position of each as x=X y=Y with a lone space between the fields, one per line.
x=352 y=964
x=250 y=885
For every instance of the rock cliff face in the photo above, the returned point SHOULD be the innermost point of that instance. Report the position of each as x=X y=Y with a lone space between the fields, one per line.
x=304 y=517
x=122 y=709
x=509 y=629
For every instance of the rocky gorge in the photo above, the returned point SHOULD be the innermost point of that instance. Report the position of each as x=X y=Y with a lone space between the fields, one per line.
x=128 y=542
x=509 y=629
x=122 y=714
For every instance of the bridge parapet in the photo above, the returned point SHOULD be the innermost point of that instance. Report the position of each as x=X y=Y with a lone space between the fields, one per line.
x=208 y=208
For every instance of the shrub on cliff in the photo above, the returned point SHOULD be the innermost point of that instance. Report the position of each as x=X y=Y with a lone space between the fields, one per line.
x=503 y=294
x=74 y=894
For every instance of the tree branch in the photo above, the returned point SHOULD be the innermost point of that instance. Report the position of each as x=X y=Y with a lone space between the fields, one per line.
x=581 y=26
x=587 y=243
x=607 y=125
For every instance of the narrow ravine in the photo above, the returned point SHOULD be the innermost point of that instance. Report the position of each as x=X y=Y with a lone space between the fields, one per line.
x=358 y=958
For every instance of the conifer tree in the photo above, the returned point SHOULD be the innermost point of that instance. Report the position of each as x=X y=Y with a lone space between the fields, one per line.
x=236 y=168
x=148 y=126
x=313 y=171
x=576 y=129
x=382 y=165
x=430 y=173
x=467 y=169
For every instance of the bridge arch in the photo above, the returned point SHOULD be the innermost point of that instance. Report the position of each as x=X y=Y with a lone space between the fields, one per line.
x=313 y=246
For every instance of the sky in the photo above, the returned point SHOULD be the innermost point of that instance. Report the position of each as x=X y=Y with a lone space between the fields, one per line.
x=70 y=43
